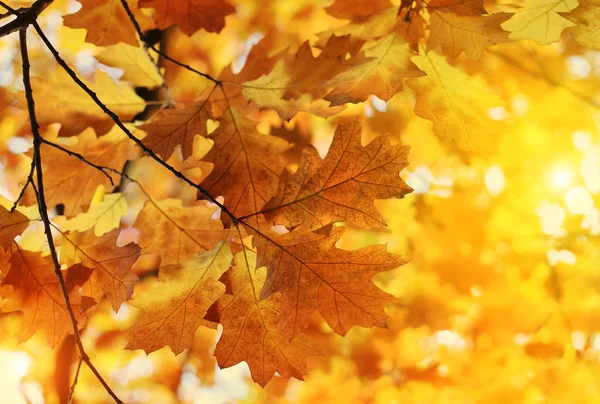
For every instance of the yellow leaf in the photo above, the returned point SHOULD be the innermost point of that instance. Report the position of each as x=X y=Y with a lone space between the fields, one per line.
x=136 y=64
x=539 y=20
x=455 y=104
x=471 y=34
x=103 y=216
x=587 y=18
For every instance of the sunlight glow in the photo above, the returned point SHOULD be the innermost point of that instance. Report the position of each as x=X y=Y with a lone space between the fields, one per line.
x=14 y=366
x=560 y=177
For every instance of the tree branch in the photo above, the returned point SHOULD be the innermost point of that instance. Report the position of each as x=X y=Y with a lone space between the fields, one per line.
x=121 y=126
x=43 y=209
x=72 y=391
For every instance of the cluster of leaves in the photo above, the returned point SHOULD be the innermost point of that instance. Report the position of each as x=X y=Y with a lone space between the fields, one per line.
x=225 y=199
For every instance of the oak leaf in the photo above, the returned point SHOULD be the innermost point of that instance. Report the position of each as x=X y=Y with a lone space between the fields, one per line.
x=11 y=225
x=70 y=181
x=173 y=310
x=540 y=20
x=246 y=164
x=344 y=185
x=351 y=9
x=103 y=216
x=471 y=34
x=315 y=276
x=378 y=69
x=176 y=232
x=455 y=104
x=112 y=275
x=250 y=330
x=31 y=286
x=190 y=15
x=65 y=103
x=177 y=127
x=587 y=19
x=135 y=63
x=106 y=22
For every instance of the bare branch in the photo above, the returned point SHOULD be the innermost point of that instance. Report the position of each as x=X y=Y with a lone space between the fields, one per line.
x=72 y=391
x=43 y=209
x=29 y=181
x=121 y=126
x=138 y=29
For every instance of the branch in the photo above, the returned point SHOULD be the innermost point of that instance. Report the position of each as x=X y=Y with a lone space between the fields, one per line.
x=29 y=181
x=72 y=392
x=121 y=126
x=102 y=169
x=138 y=29
x=25 y=16
x=147 y=45
x=43 y=209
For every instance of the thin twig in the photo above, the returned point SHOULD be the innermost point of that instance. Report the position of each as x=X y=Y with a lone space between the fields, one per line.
x=140 y=33
x=25 y=16
x=121 y=126
x=147 y=45
x=29 y=181
x=100 y=168
x=72 y=391
x=43 y=210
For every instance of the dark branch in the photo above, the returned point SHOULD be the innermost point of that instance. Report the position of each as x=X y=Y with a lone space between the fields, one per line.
x=29 y=181
x=75 y=378
x=138 y=29
x=121 y=126
x=43 y=209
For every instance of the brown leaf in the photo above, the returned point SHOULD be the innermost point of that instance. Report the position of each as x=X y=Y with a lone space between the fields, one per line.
x=250 y=331
x=247 y=164
x=173 y=310
x=32 y=287
x=178 y=233
x=378 y=70
x=313 y=275
x=344 y=185
x=112 y=276
x=190 y=15
x=11 y=225
x=70 y=181
x=352 y=9
x=106 y=22
x=177 y=127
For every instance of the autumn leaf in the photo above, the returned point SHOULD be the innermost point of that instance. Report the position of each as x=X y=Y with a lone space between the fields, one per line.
x=315 y=276
x=455 y=104
x=177 y=127
x=133 y=60
x=32 y=287
x=11 y=225
x=71 y=181
x=190 y=15
x=112 y=275
x=250 y=330
x=586 y=30
x=348 y=9
x=176 y=232
x=68 y=105
x=246 y=163
x=343 y=186
x=174 y=309
x=540 y=20
x=378 y=70
x=106 y=22
x=103 y=216
x=471 y=34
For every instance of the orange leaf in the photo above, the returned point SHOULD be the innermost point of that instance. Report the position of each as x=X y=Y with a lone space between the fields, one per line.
x=106 y=22
x=250 y=331
x=174 y=309
x=247 y=164
x=32 y=287
x=178 y=233
x=190 y=15
x=11 y=225
x=343 y=186
x=313 y=275
x=112 y=276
